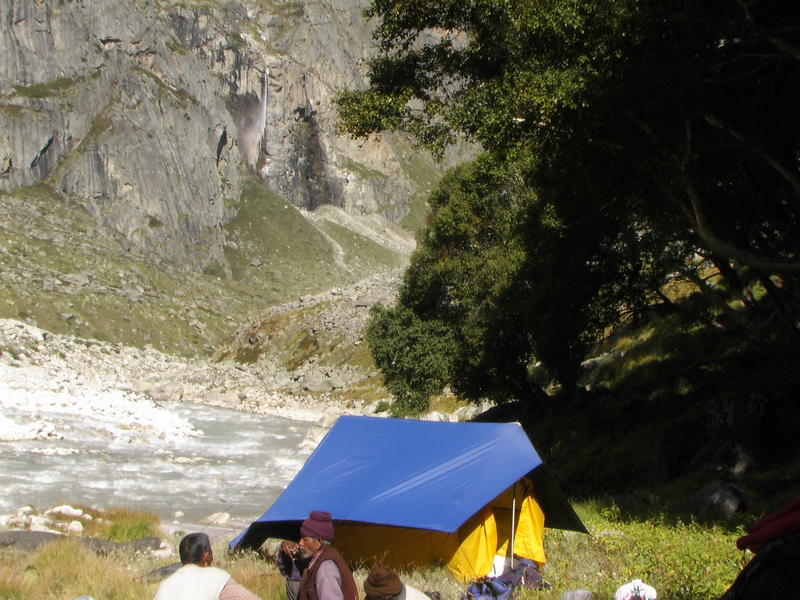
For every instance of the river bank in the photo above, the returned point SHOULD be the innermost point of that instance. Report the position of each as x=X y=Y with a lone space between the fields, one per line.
x=102 y=424
x=124 y=389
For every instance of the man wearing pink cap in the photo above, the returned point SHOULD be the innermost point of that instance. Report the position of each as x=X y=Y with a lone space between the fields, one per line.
x=327 y=576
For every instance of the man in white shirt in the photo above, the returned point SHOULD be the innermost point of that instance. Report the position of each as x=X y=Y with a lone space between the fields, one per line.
x=197 y=579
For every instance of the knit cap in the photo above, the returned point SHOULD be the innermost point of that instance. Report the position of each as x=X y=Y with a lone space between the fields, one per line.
x=382 y=582
x=318 y=525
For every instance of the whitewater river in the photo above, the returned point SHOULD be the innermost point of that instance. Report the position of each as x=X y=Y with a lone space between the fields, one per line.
x=238 y=463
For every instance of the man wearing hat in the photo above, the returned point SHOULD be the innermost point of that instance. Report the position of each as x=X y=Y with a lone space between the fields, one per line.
x=384 y=584
x=327 y=576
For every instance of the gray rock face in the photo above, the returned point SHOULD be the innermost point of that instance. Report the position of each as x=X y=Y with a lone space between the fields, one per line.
x=98 y=107
x=148 y=114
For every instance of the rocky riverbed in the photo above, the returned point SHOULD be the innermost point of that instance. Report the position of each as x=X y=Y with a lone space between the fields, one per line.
x=96 y=423
x=105 y=425
x=124 y=389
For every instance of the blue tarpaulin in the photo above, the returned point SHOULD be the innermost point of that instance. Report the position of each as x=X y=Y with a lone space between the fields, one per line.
x=408 y=473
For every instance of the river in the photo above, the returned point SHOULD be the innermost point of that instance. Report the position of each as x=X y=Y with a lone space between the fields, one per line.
x=238 y=463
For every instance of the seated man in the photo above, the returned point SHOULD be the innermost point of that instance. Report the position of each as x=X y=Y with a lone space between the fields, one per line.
x=197 y=579
x=384 y=584
x=327 y=576
x=291 y=564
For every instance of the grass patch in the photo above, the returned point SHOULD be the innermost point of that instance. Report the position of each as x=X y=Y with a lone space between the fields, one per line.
x=361 y=254
x=682 y=560
x=17 y=111
x=126 y=525
x=123 y=298
x=362 y=170
x=421 y=169
x=183 y=98
x=276 y=254
x=292 y=256
x=67 y=569
x=56 y=87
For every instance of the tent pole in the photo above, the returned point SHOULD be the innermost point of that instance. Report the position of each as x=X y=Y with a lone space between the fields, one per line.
x=513 y=520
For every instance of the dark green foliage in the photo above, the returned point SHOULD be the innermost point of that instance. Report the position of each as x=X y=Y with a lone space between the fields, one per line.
x=413 y=355
x=641 y=160
x=641 y=179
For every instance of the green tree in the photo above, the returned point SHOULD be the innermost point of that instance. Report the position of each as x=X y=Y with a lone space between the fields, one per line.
x=628 y=142
x=412 y=353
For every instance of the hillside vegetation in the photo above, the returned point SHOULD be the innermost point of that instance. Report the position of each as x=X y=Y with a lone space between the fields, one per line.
x=66 y=274
x=619 y=268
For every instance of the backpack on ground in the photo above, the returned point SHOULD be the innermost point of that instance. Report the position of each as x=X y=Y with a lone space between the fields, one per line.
x=523 y=573
x=489 y=588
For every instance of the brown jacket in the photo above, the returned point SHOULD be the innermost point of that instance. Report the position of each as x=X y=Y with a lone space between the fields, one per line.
x=308 y=583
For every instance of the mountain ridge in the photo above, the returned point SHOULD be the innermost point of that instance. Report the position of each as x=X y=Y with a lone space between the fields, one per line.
x=169 y=170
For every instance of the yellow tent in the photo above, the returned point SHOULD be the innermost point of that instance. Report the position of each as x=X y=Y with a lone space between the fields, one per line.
x=419 y=492
x=469 y=552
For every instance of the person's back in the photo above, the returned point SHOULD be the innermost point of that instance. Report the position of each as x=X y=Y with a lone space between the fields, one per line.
x=197 y=579
x=193 y=582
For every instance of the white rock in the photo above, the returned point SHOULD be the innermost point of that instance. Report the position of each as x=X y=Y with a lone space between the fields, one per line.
x=178 y=514
x=39 y=523
x=75 y=527
x=328 y=419
x=19 y=522
x=65 y=510
x=162 y=553
x=436 y=416
x=217 y=518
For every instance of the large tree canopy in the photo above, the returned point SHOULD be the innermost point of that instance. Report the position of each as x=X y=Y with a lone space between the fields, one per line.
x=627 y=143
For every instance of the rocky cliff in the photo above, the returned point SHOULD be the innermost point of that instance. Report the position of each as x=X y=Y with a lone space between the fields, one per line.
x=148 y=114
x=169 y=169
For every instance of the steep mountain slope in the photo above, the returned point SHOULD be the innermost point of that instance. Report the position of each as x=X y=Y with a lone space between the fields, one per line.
x=149 y=114
x=170 y=169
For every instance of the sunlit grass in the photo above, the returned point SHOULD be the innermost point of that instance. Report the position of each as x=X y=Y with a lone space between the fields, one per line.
x=682 y=560
x=67 y=569
x=129 y=525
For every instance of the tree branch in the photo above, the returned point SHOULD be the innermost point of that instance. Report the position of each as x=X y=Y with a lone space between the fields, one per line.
x=781 y=44
x=717 y=245
x=790 y=177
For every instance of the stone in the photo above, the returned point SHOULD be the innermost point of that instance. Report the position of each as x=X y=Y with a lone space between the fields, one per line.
x=317 y=383
x=40 y=523
x=217 y=518
x=719 y=498
x=163 y=572
x=167 y=392
x=64 y=510
x=75 y=527
x=436 y=416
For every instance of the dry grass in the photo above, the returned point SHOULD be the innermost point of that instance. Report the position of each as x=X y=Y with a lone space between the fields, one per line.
x=67 y=569
x=681 y=560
